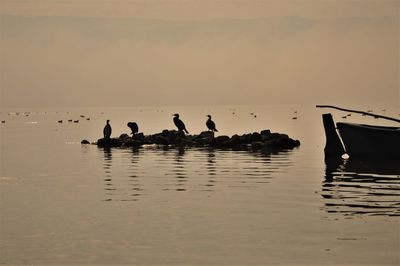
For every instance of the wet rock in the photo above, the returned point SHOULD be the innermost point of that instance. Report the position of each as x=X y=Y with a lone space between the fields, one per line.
x=255 y=137
x=246 y=138
x=204 y=138
x=159 y=139
x=257 y=144
x=265 y=134
x=235 y=141
x=263 y=140
x=85 y=141
x=139 y=137
x=124 y=136
x=221 y=141
x=131 y=143
x=206 y=134
x=112 y=142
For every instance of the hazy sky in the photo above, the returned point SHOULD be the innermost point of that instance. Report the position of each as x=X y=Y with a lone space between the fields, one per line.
x=130 y=53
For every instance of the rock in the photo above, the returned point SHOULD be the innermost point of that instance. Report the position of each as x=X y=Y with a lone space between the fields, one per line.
x=131 y=143
x=139 y=137
x=204 y=138
x=221 y=141
x=85 y=141
x=245 y=139
x=263 y=140
x=235 y=141
x=166 y=133
x=148 y=139
x=124 y=136
x=112 y=142
x=257 y=144
x=255 y=137
x=283 y=136
x=161 y=140
x=265 y=134
x=206 y=134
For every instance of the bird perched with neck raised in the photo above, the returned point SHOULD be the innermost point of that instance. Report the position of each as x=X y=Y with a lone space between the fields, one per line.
x=134 y=127
x=210 y=124
x=107 y=130
x=179 y=124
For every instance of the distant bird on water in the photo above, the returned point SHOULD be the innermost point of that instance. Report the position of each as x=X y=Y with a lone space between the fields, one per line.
x=179 y=124
x=134 y=127
x=107 y=130
x=210 y=124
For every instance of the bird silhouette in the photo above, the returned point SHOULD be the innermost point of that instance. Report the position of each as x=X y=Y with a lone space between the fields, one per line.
x=210 y=124
x=134 y=127
x=107 y=130
x=179 y=124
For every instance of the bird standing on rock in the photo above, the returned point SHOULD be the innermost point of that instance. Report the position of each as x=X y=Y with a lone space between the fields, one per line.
x=107 y=130
x=210 y=124
x=134 y=128
x=179 y=124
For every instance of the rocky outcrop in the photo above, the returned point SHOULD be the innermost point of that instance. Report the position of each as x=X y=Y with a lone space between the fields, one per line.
x=256 y=140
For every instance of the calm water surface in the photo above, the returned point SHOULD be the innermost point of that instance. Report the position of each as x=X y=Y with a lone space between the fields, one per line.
x=67 y=203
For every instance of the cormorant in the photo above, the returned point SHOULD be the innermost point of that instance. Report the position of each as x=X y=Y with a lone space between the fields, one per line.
x=210 y=124
x=134 y=128
x=179 y=124
x=107 y=130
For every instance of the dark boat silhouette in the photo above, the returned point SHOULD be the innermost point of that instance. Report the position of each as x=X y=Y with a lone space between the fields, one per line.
x=370 y=141
x=360 y=140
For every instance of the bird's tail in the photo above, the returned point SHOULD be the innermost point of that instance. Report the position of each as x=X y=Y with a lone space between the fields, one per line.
x=185 y=131
x=216 y=130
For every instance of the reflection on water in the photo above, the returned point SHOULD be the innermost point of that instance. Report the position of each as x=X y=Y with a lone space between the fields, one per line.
x=362 y=187
x=130 y=174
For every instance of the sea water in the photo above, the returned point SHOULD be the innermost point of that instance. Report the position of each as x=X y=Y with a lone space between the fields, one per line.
x=66 y=203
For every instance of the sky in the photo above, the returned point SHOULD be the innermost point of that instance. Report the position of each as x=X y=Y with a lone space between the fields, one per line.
x=83 y=53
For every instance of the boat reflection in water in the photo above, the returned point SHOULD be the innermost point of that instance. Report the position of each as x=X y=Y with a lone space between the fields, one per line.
x=151 y=171
x=362 y=187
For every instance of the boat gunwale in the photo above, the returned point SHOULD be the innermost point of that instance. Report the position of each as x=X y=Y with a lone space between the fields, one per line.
x=372 y=127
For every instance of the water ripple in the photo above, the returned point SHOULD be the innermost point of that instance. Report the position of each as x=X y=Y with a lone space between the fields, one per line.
x=131 y=174
x=362 y=187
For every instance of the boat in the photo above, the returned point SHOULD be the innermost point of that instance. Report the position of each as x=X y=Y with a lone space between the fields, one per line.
x=362 y=140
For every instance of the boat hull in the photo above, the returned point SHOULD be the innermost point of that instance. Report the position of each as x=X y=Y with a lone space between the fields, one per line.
x=370 y=141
